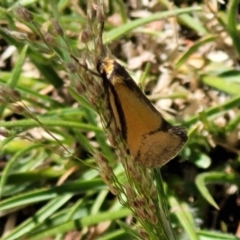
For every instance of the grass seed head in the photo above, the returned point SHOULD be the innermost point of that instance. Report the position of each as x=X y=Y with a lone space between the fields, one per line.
x=85 y=36
x=57 y=28
x=24 y=14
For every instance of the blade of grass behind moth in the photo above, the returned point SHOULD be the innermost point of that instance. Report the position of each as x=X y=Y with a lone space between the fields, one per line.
x=145 y=73
x=184 y=216
x=44 y=194
x=101 y=138
x=57 y=219
x=18 y=68
x=124 y=29
x=117 y=235
x=128 y=228
x=83 y=141
x=54 y=219
x=47 y=104
x=34 y=94
x=46 y=122
x=160 y=189
x=63 y=51
x=63 y=42
x=189 y=21
x=233 y=23
x=10 y=39
x=231 y=75
x=232 y=124
x=12 y=82
x=163 y=206
x=193 y=49
x=9 y=136
x=67 y=114
x=4 y=4
x=47 y=70
x=54 y=9
x=193 y=23
x=219 y=109
x=80 y=99
x=34 y=117
x=25 y=177
x=99 y=200
x=222 y=85
x=208 y=125
x=122 y=10
x=90 y=108
x=213 y=235
x=213 y=177
x=85 y=221
x=10 y=163
x=129 y=26
x=74 y=208
x=39 y=217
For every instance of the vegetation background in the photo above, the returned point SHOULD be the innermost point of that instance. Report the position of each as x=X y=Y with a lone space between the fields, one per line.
x=183 y=54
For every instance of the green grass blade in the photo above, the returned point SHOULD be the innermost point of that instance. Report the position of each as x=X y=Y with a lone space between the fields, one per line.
x=12 y=82
x=219 y=109
x=193 y=49
x=7 y=170
x=18 y=68
x=50 y=193
x=230 y=88
x=50 y=123
x=43 y=214
x=81 y=223
x=124 y=29
x=184 y=217
x=213 y=235
x=211 y=178
x=232 y=24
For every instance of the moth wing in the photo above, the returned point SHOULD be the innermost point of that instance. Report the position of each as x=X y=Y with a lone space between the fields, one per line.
x=158 y=148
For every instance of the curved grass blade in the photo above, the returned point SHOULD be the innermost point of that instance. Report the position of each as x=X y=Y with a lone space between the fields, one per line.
x=193 y=49
x=211 y=178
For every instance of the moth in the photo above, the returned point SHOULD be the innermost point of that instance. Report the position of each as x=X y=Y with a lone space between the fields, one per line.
x=150 y=139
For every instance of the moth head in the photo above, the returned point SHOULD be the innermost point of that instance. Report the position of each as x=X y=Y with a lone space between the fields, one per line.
x=105 y=67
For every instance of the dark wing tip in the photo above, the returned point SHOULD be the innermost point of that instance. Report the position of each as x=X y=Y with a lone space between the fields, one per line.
x=179 y=131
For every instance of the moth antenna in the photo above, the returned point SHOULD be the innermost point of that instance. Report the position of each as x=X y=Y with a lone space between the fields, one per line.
x=86 y=68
